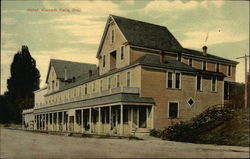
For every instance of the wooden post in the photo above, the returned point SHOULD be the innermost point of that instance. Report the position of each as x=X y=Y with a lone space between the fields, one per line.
x=90 y=122
x=121 y=120
x=99 y=120
x=110 y=118
x=152 y=117
x=57 y=120
x=82 y=120
x=52 y=121
x=62 y=120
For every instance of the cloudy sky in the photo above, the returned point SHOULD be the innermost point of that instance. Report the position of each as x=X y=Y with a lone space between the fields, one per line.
x=75 y=35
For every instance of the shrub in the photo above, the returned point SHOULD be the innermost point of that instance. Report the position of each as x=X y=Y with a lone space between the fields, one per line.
x=156 y=132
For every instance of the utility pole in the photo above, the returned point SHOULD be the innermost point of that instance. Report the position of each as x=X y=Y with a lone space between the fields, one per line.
x=246 y=79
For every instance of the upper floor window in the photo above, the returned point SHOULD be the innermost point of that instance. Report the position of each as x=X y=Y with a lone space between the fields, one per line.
x=217 y=67
x=179 y=57
x=128 y=79
x=109 y=83
x=229 y=70
x=100 y=85
x=178 y=80
x=118 y=81
x=190 y=62
x=173 y=110
x=199 y=82
x=214 y=84
x=93 y=87
x=170 y=80
x=122 y=52
x=204 y=65
x=53 y=82
x=103 y=63
x=112 y=36
x=86 y=89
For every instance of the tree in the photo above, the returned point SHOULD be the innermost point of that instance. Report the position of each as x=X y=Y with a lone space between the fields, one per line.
x=24 y=80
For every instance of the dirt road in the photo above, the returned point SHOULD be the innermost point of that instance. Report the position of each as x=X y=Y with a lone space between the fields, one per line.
x=28 y=145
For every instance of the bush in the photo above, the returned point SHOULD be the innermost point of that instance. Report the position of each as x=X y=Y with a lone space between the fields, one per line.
x=156 y=132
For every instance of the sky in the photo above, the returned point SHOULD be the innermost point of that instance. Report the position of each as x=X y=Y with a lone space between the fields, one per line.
x=72 y=30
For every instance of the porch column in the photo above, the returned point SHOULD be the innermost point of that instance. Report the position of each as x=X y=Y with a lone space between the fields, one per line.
x=152 y=117
x=99 y=120
x=131 y=115
x=110 y=117
x=52 y=121
x=121 y=120
x=57 y=120
x=147 y=125
x=68 y=121
x=45 y=125
x=82 y=120
x=90 y=122
x=48 y=120
x=62 y=120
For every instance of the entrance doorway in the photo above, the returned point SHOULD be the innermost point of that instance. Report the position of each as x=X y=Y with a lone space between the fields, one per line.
x=142 y=117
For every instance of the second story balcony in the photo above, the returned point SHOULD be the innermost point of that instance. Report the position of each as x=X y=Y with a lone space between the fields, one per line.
x=111 y=91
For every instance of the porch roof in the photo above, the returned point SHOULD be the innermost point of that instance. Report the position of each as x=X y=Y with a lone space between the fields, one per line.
x=99 y=101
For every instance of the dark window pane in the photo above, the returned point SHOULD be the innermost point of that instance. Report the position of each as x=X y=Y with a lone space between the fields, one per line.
x=177 y=80
x=170 y=81
x=173 y=110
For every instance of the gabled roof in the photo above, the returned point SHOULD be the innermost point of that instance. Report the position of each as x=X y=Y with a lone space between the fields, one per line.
x=74 y=69
x=169 y=63
x=208 y=56
x=144 y=34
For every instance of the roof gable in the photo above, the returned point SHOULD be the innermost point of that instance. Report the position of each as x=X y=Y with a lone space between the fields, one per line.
x=74 y=69
x=143 y=34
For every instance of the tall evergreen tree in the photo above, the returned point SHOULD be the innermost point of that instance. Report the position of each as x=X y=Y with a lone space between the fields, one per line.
x=24 y=80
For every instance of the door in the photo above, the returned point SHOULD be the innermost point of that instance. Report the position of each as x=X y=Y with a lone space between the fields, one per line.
x=142 y=117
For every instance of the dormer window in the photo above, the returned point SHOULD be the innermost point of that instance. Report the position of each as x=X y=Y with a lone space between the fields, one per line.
x=112 y=36
x=122 y=52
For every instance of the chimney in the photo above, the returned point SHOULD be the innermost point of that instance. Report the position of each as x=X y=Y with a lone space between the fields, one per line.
x=204 y=48
x=65 y=74
x=162 y=57
x=90 y=73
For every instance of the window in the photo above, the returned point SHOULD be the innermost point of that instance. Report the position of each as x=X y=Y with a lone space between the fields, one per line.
x=86 y=89
x=190 y=62
x=173 y=110
x=214 y=84
x=217 y=67
x=204 y=65
x=112 y=36
x=179 y=57
x=170 y=80
x=118 y=81
x=93 y=87
x=229 y=70
x=100 y=85
x=103 y=63
x=199 y=83
x=122 y=52
x=109 y=83
x=178 y=80
x=128 y=79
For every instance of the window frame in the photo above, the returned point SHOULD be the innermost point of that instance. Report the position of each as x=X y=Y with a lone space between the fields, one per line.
x=122 y=52
x=168 y=79
x=128 y=84
x=118 y=81
x=205 y=65
x=104 y=61
x=201 y=85
x=112 y=36
x=176 y=79
x=190 y=64
x=109 y=83
x=229 y=73
x=178 y=112
x=217 y=67
x=215 y=88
